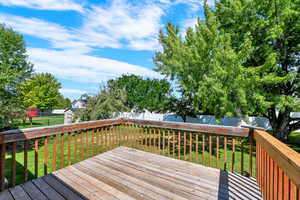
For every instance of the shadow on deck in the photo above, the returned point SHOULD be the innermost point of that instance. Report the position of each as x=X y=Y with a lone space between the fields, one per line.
x=125 y=173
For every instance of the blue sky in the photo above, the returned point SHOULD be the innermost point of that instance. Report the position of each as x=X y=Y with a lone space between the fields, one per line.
x=86 y=42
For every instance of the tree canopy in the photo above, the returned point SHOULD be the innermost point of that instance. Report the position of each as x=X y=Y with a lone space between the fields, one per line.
x=243 y=59
x=150 y=94
x=14 y=69
x=102 y=106
x=40 y=91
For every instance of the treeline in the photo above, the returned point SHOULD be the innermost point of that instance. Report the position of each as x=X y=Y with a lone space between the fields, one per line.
x=126 y=93
x=20 y=87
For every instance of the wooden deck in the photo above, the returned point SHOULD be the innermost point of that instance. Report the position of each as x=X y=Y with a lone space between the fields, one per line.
x=126 y=173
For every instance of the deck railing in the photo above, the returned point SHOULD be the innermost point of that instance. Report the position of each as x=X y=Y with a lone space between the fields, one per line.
x=30 y=153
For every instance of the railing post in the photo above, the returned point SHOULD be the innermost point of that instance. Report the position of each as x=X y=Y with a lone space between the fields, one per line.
x=2 y=163
x=251 y=150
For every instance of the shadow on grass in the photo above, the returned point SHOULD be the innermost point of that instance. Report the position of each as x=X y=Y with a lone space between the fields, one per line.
x=20 y=172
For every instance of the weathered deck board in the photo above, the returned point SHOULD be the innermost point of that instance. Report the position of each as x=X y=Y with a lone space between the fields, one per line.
x=125 y=173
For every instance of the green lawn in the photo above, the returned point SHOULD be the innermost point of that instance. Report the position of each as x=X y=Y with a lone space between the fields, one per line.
x=42 y=121
x=294 y=141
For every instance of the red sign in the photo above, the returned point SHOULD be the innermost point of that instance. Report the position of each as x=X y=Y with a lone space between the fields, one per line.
x=32 y=112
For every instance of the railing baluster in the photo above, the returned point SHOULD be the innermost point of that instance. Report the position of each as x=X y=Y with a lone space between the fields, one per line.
x=250 y=151
x=280 y=185
x=242 y=156
x=13 y=175
x=81 y=146
x=93 y=141
x=146 y=138
x=150 y=137
x=225 y=153
x=158 y=133
x=286 y=188
x=36 y=158
x=111 y=135
x=54 y=153
x=164 y=140
x=86 y=150
x=210 y=150
x=75 y=148
x=271 y=179
x=46 y=155
x=169 y=140
x=232 y=154
x=97 y=141
x=217 y=152
x=135 y=135
x=69 y=148
x=25 y=160
x=191 y=147
x=293 y=191
x=62 y=149
x=197 y=148
x=275 y=188
x=203 y=149
x=174 y=142
x=184 y=145
x=179 y=146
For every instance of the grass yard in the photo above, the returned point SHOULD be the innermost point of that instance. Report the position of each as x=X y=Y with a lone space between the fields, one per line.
x=294 y=141
x=42 y=121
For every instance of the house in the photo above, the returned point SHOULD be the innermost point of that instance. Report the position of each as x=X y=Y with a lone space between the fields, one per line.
x=79 y=104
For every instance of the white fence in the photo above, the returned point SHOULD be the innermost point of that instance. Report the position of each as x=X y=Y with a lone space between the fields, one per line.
x=201 y=119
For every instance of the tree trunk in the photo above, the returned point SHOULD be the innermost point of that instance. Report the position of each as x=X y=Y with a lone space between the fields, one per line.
x=281 y=125
x=183 y=118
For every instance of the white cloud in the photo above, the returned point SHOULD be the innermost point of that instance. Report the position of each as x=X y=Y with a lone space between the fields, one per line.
x=45 y=4
x=120 y=25
x=71 y=91
x=190 y=23
x=135 y=25
x=83 y=68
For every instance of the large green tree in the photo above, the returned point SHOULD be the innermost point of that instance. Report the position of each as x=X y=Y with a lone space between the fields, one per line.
x=242 y=60
x=41 y=91
x=103 y=105
x=149 y=94
x=14 y=69
x=274 y=29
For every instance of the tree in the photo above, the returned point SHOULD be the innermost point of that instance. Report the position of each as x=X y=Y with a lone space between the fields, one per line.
x=14 y=69
x=103 y=105
x=150 y=94
x=63 y=103
x=274 y=29
x=182 y=106
x=242 y=60
x=41 y=91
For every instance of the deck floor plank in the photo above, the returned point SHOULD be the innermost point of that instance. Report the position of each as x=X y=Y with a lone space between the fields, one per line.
x=165 y=181
x=47 y=189
x=33 y=191
x=61 y=188
x=18 y=193
x=128 y=174
x=6 y=195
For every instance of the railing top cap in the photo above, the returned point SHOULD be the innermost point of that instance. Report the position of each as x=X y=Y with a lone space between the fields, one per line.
x=253 y=127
